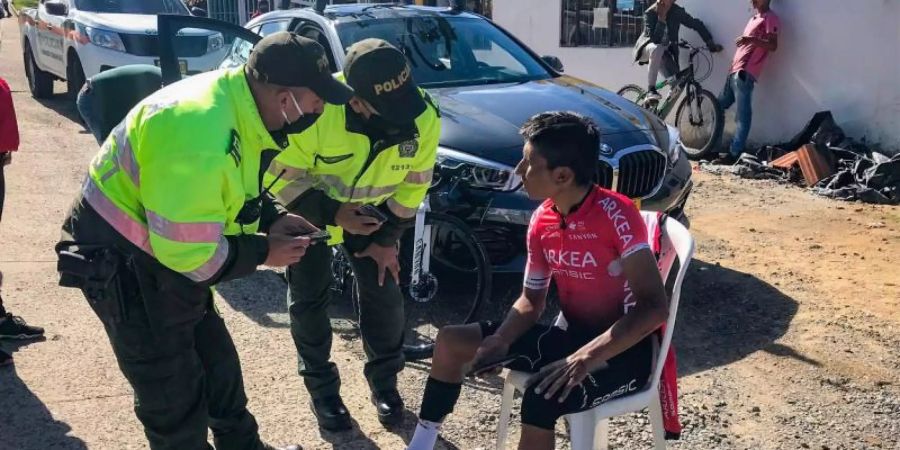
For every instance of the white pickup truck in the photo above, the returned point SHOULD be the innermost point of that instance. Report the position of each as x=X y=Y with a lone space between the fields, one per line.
x=72 y=40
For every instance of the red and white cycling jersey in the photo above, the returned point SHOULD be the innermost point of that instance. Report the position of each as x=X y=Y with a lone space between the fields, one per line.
x=583 y=253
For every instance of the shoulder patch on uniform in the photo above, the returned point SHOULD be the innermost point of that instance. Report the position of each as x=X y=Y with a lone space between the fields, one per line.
x=234 y=147
x=407 y=149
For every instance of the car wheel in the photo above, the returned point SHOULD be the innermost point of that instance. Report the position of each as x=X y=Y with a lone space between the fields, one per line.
x=40 y=83
x=74 y=77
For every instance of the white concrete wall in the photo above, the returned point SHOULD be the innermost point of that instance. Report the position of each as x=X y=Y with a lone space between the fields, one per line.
x=833 y=54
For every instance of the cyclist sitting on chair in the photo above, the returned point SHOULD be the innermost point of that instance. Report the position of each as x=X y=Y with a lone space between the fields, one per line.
x=658 y=44
x=593 y=243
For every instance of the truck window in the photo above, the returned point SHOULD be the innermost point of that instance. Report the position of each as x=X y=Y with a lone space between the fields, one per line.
x=272 y=27
x=133 y=6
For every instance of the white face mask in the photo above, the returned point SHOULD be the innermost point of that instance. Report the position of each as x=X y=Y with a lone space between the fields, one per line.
x=296 y=105
x=303 y=122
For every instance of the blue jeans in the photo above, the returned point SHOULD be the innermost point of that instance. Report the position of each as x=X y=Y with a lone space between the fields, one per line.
x=739 y=87
x=86 y=107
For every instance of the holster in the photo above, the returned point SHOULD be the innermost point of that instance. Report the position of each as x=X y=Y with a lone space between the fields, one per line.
x=96 y=270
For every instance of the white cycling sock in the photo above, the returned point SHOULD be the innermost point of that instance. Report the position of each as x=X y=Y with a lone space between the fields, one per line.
x=425 y=436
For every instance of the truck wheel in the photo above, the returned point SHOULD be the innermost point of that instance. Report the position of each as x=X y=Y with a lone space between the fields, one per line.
x=74 y=76
x=40 y=83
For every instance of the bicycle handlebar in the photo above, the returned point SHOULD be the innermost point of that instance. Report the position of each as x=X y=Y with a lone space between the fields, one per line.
x=687 y=45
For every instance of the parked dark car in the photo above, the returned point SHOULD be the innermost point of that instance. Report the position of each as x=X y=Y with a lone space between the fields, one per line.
x=487 y=84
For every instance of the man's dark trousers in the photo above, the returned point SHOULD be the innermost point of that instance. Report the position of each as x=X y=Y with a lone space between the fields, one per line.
x=381 y=320
x=174 y=350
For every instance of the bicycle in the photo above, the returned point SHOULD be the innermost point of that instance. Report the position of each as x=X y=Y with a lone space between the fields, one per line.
x=699 y=117
x=437 y=238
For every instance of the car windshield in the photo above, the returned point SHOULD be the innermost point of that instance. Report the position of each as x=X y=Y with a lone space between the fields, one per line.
x=133 y=6
x=455 y=51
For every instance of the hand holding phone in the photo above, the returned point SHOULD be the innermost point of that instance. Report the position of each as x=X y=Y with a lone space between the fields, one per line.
x=372 y=211
x=316 y=237
x=487 y=366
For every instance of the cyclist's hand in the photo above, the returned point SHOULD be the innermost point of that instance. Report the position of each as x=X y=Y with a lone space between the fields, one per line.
x=349 y=219
x=386 y=258
x=292 y=225
x=492 y=348
x=560 y=377
x=714 y=48
x=285 y=250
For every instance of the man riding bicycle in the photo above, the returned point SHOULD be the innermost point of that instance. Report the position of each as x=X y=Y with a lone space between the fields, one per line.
x=658 y=44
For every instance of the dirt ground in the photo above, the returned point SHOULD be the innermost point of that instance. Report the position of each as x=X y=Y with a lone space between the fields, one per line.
x=788 y=336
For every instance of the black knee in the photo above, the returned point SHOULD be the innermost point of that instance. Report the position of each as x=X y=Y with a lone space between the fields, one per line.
x=540 y=412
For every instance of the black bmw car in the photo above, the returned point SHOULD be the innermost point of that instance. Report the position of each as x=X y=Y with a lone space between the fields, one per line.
x=487 y=84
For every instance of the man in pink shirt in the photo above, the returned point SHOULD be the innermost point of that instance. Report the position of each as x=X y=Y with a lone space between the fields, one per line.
x=753 y=47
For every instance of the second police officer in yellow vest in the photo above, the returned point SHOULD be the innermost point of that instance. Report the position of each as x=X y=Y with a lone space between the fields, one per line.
x=378 y=150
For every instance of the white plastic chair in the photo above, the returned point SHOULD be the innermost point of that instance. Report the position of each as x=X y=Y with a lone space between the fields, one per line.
x=589 y=429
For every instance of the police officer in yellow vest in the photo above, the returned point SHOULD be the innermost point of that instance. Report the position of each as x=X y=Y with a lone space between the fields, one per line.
x=378 y=150
x=172 y=205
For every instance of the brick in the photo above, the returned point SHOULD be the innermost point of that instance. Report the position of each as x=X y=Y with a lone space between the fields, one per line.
x=813 y=164
x=786 y=162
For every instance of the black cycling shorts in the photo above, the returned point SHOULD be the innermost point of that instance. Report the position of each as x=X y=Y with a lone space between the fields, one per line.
x=627 y=373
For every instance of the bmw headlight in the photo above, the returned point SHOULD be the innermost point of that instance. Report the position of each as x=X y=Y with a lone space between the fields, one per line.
x=674 y=146
x=105 y=39
x=479 y=173
x=215 y=42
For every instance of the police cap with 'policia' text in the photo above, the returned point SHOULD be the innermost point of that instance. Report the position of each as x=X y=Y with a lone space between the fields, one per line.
x=380 y=74
x=287 y=59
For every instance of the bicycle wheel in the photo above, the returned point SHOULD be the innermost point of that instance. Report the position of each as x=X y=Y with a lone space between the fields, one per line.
x=632 y=93
x=700 y=121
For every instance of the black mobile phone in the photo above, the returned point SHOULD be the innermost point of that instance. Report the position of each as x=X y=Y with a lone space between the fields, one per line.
x=316 y=237
x=319 y=236
x=374 y=212
x=487 y=366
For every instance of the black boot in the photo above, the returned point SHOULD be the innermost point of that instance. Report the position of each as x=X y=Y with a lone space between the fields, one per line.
x=390 y=407
x=331 y=413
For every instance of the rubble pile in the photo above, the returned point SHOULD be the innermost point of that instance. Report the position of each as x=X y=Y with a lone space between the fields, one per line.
x=824 y=159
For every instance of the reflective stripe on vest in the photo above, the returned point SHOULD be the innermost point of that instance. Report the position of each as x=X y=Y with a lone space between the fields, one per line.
x=284 y=171
x=192 y=233
x=400 y=210
x=213 y=265
x=422 y=177
x=125 y=155
x=137 y=233
x=133 y=230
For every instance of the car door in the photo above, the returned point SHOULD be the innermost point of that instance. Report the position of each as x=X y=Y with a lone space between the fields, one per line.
x=56 y=28
x=240 y=49
x=172 y=53
x=49 y=49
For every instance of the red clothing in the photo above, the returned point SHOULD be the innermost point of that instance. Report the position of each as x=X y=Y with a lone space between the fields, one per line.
x=9 y=128
x=583 y=253
x=750 y=57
